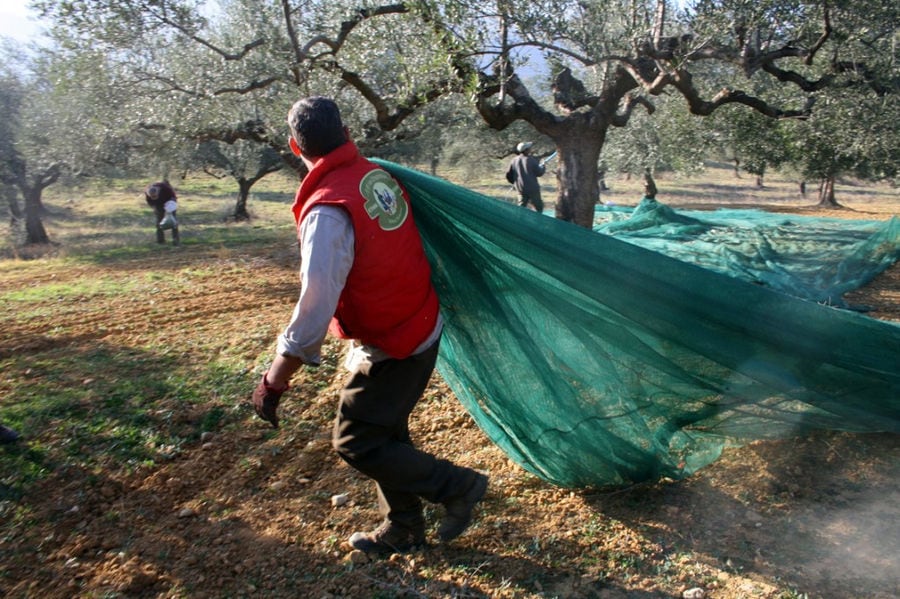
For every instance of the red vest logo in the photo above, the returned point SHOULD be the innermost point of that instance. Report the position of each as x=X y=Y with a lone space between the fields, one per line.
x=384 y=199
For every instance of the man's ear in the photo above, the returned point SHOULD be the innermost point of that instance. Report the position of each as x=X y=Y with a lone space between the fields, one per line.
x=294 y=147
x=347 y=133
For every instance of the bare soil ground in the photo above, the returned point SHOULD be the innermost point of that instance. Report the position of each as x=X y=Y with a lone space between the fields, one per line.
x=248 y=512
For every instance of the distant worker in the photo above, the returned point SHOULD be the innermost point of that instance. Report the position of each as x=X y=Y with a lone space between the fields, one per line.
x=601 y=178
x=161 y=197
x=523 y=172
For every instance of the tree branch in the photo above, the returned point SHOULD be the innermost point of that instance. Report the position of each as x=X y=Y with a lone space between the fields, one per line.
x=191 y=35
x=620 y=118
x=683 y=82
x=347 y=27
x=252 y=130
x=826 y=33
x=299 y=56
x=389 y=120
x=797 y=79
x=252 y=86
x=500 y=115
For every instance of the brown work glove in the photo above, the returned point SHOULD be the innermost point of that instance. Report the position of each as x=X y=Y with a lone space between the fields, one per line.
x=265 y=401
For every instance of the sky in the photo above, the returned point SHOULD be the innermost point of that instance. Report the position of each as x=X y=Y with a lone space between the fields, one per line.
x=17 y=22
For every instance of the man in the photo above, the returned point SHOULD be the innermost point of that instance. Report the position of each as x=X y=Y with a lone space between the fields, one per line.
x=523 y=172
x=161 y=197
x=364 y=277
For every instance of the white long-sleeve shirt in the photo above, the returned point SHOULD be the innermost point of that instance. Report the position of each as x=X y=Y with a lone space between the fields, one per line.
x=326 y=256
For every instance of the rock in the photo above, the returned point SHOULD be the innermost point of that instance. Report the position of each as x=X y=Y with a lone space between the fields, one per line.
x=278 y=485
x=695 y=593
x=339 y=500
x=357 y=557
x=186 y=512
x=206 y=437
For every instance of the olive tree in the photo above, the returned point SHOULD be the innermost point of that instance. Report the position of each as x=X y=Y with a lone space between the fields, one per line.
x=28 y=162
x=244 y=161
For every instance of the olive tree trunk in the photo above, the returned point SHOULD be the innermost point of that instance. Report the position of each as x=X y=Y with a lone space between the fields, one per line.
x=577 y=183
x=826 y=193
x=240 y=207
x=35 y=233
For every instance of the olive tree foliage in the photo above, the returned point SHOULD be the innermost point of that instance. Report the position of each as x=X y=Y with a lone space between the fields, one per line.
x=668 y=140
x=231 y=75
x=851 y=129
x=36 y=136
x=11 y=95
x=55 y=126
x=849 y=134
x=755 y=142
x=448 y=136
x=29 y=164
x=234 y=73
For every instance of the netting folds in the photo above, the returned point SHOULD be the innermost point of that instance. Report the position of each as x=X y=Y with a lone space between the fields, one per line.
x=809 y=257
x=592 y=361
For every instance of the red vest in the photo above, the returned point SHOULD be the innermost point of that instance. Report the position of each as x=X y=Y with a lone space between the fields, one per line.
x=388 y=300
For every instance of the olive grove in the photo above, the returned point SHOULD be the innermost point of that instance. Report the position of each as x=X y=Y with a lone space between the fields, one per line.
x=184 y=72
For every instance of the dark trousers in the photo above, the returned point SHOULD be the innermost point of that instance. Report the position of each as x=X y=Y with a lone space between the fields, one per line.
x=371 y=433
x=535 y=201
x=160 y=213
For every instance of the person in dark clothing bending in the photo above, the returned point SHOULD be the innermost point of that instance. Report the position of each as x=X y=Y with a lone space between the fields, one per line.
x=161 y=197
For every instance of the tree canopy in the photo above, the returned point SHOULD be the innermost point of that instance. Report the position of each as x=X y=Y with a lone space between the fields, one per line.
x=179 y=70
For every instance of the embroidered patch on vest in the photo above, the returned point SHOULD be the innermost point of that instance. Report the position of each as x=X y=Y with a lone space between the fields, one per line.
x=384 y=199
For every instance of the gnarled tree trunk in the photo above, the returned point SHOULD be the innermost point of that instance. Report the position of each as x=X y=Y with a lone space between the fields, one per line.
x=35 y=233
x=577 y=179
x=826 y=193
x=240 y=208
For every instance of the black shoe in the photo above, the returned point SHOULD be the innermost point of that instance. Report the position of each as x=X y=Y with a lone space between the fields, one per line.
x=8 y=435
x=459 y=509
x=388 y=538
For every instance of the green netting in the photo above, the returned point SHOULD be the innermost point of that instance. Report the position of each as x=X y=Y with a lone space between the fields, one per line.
x=592 y=361
x=810 y=257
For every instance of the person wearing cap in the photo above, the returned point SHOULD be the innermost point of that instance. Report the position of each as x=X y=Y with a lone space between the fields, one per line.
x=365 y=278
x=523 y=173
x=161 y=197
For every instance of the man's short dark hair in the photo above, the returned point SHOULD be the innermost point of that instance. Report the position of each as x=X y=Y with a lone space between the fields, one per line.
x=316 y=125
